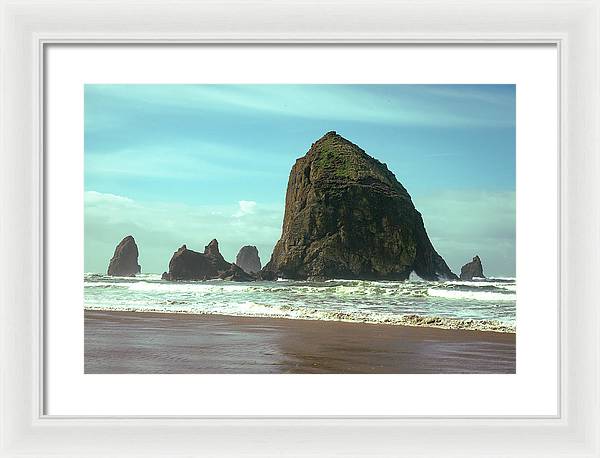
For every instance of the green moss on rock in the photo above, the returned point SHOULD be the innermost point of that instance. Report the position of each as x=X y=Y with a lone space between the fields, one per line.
x=347 y=216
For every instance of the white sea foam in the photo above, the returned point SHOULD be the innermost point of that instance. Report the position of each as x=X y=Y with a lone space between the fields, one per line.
x=199 y=287
x=483 y=284
x=96 y=284
x=253 y=309
x=413 y=277
x=486 y=305
x=471 y=295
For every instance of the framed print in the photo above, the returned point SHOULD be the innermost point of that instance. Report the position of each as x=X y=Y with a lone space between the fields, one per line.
x=227 y=223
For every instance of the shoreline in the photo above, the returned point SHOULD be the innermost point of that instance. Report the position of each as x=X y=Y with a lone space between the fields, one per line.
x=157 y=342
x=429 y=322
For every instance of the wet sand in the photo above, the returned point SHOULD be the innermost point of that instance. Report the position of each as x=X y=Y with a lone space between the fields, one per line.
x=148 y=343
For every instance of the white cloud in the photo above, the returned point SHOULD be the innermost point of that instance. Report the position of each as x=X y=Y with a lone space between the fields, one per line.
x=247 y=207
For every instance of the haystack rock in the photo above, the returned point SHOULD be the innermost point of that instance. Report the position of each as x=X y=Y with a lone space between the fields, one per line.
x=124 y=262
x=472 y=269
x=248 y=259
x=346 y=216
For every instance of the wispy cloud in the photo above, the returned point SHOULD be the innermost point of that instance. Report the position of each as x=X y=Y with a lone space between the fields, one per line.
x=503 y=95
x=186 y=160
x=92 y=198
x=325 y=102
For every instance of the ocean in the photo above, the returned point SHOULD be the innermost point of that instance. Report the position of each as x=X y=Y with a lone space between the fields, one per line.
x=484 y=304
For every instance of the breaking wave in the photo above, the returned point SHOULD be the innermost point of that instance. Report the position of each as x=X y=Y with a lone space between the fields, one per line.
x=482 y=304
x=252 y=309
x=471 y=295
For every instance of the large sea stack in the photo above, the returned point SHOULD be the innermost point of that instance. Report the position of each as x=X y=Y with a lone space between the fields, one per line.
x=248 y=259
x=187 y=264
x=124 y=262
x=472 y=269
x=346 y=216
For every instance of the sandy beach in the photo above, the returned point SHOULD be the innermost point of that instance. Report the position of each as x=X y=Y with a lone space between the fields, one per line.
x=142 y=343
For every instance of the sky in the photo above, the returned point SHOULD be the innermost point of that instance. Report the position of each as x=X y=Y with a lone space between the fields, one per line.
x=183 y=164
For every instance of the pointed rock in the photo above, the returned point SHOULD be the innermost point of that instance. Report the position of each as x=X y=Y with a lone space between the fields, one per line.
x=346 y=216
x=212 y=250
x=124 y=262
x=248 y=259
x=472 y=269
x=188 y=264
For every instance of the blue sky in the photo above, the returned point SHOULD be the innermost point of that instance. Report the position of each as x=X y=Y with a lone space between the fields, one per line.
x=175 y=164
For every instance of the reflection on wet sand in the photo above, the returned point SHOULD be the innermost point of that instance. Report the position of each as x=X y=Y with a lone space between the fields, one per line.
x=125 y=342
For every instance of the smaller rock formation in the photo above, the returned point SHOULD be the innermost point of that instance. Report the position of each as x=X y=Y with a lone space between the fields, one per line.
x=248 y=259
x=190 y=265
x=187 y=264
x=236 y=273
x=124 y=262
x=472 y=269
x=212 y=251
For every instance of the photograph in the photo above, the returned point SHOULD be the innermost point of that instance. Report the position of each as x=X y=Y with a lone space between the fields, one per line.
x=299 y=229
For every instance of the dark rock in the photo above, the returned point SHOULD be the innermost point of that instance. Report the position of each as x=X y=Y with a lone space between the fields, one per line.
x=212 y=251
x=346 y=216
x=191 y=265
x=124 y=262
x=248 y=259
x=236 y=273
x=266 y=275
x=187 y=264
x=472 y=269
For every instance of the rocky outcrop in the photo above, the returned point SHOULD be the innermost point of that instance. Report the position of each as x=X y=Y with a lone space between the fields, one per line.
x=346 y=216
x=248 y=259
x=187 y=264
x=212 y=251
x=472 y=269
x=124 y=262
x=236 y=273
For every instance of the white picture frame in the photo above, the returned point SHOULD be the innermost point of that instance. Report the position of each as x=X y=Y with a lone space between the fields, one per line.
x=27 y=27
